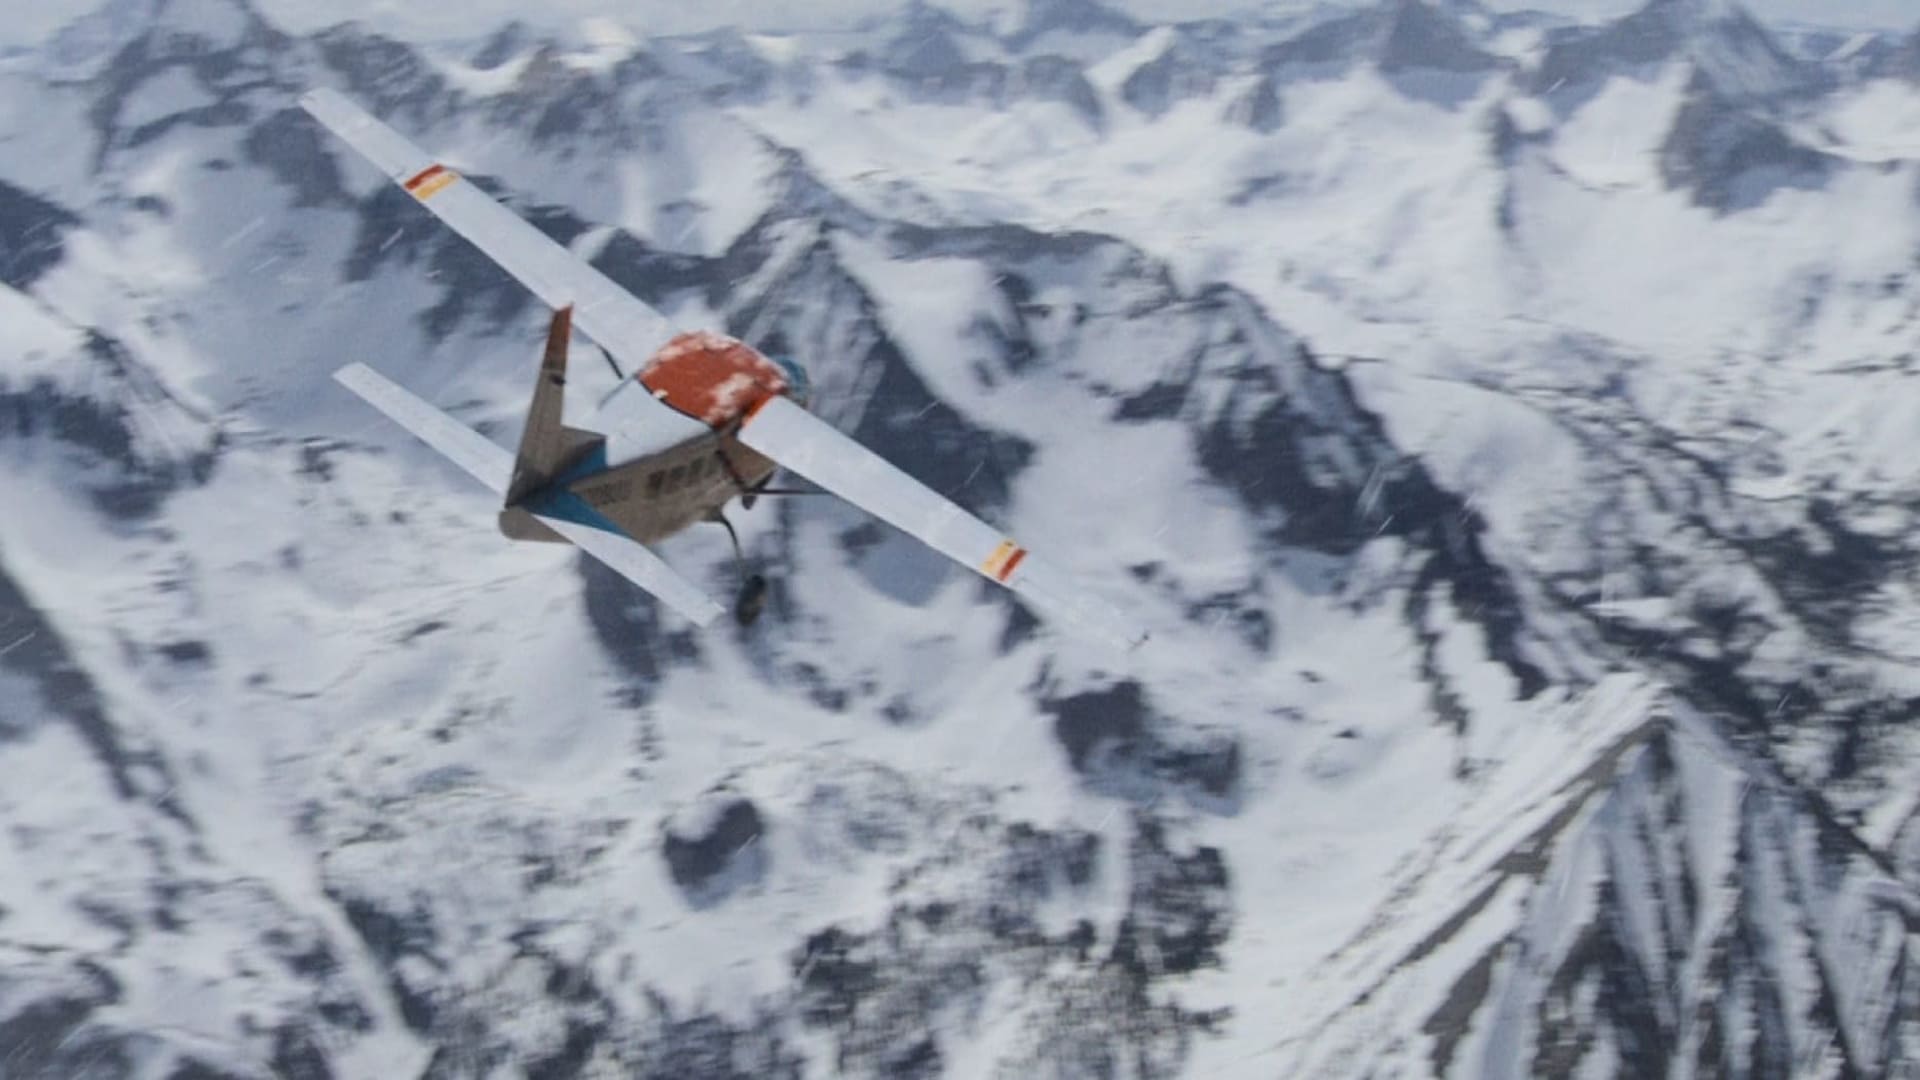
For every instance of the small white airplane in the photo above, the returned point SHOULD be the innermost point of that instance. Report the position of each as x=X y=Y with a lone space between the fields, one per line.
x=705 y=418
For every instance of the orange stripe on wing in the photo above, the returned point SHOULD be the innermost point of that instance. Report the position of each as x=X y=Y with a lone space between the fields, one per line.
x=429 y=181
x=425 y=175
x=1012 y=561
x=999 y=565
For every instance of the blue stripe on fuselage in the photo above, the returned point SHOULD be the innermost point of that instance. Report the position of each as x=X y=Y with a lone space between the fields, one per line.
x=555 y=501
x=567 y=506
x=593 y=461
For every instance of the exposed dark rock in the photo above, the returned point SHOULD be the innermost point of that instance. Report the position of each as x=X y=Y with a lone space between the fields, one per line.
x=927 y=45
x=1423 y=50
x=126 y=479
x=55 y=1035
x=1211 y=764
x=556 y=103
x=229 y=69
x=1161 y=401
x=1729 y=158
x=37 y=650
x=32 y=232
x=906 y=423
x=1421 y=37
x=571 y=1058
x=503 y=45
x=1113 y=738
x=720 y=834
x=880 y=994
x=296 y=1056
x=290 y=146
x=1892 y=59
x=187 y=652
x=193 y=1069
x=832 y=976
x=1258 y=107
x=1037 y=862
x=386 y=77
x=1109 y=721
x=1178 y=914
x=1056 y=78
x=1399 y=36
x=1174 y=75
x=727 y=68
x=1072 y=17
x=1727 y=47
x=1310 y=451
x=1239 y=612
x=704 y=1045
x=1337 y=40
x=391 y=936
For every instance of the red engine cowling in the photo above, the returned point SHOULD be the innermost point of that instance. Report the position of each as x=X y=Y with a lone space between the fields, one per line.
x=711 y=377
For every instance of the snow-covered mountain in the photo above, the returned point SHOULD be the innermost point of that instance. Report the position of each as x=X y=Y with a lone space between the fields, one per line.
x=1502 y=426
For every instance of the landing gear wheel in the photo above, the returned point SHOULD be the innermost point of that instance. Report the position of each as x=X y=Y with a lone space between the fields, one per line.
x=753 y=598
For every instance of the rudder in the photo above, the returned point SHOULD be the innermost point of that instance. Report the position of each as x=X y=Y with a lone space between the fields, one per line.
x=547 y=445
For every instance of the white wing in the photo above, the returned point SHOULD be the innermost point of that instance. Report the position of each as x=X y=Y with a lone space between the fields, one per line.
x=492 y=465
x=807 y=445
x=624 y=326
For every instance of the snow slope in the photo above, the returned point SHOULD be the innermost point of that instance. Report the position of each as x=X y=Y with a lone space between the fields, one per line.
x=1512 y=473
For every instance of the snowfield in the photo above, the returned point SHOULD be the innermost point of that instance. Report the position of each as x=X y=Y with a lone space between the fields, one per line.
x=1501 y=425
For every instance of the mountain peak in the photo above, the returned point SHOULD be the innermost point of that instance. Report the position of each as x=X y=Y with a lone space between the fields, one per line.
x=1398 y=35
x=1724 y=42
x=1419 y=34
x=1174 y=70
x=1698 y=10
x=112 y=26
x=1072 y=16
x=927 y=41
x=503 y=45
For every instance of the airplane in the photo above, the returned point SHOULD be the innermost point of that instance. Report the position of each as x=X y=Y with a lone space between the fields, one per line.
x=703 y=419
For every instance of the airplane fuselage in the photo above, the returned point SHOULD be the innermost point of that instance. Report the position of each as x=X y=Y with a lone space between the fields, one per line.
x=711 y=378
x=654 y=497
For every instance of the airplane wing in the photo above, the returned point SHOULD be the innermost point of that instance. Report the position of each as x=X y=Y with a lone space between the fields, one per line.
x=612 y=316
x=492 y=465
x=807 y=445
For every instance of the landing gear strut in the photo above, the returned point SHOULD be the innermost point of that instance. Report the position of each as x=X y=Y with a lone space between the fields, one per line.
x=753 y=588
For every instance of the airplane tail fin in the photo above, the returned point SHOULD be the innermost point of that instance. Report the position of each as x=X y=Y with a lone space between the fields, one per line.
x=547 y=445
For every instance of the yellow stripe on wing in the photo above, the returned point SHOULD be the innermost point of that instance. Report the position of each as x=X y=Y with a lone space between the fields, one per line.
x=999 y=565
x=430 y=181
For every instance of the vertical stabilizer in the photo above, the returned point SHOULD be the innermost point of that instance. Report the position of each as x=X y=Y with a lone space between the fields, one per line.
x=547 y=445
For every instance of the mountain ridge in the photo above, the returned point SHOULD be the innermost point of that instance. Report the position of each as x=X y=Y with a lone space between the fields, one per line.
x=1477 y=713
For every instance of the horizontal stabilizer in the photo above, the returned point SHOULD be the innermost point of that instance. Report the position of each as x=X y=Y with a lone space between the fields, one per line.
x=480 y=456
x=640 y=566
x=492 y=465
